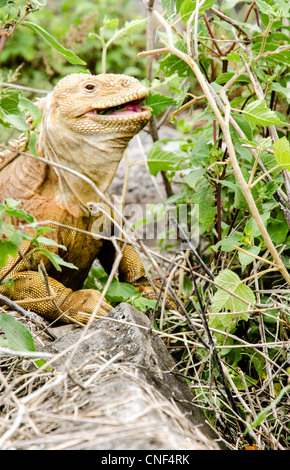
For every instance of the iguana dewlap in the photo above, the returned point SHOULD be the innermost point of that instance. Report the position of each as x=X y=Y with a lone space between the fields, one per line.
x=86 y=125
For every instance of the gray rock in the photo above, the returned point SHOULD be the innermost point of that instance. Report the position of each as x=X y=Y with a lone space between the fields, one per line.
x=131 y=383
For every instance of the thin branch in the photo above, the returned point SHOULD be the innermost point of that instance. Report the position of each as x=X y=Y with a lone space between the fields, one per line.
x=254 y=256
x=24 y=88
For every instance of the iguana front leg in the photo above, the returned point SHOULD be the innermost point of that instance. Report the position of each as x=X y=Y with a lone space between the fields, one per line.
x=77 y=305
x=29 y=288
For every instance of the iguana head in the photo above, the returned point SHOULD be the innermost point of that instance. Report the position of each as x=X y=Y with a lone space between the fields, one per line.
x=87 y=123
x=105 y=103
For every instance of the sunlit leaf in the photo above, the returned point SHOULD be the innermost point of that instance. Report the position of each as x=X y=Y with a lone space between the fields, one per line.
x=282 y=152
x=69 y=55
x=18 y=336
x=257 y=113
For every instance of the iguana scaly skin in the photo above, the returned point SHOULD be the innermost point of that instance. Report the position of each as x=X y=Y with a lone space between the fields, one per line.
x=86 y=126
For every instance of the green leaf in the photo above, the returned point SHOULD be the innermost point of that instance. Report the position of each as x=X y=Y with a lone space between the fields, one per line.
x=194 y=176
x=16 y=121
x=69 y=55
x=9 y=282
x=27 y=105
x=278 y=228
x=225 y=77
x=9 y=102
x=161 y=160
x=32 y=146
x=20 y=214
x=56 y=260
x=129 y=28
x=111 y=22
x=18 y=336
x=280 y=8
x=158 y=103
x=246 y=259
x=282 y=152
x=234 y=56
x=143 y=304
x=205 y=198
x=263 y=414
x=189 y=6
x=7 y=247
x=257 y=113
x=120 y=291
x=50 y=242
x=224 y=300
x=172 y=64
x=282 y=90
x=227 y=243
x=168 y=6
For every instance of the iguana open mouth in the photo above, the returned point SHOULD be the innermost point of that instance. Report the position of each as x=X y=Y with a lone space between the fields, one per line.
x=126 y=108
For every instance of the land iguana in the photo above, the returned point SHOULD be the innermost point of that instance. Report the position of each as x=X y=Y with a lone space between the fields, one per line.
x=87 y=123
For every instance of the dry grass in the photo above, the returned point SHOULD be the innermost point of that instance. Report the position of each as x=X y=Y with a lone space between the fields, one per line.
x=99 y=405
x=80 y=409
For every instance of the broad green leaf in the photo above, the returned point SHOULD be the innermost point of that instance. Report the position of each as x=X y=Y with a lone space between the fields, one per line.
x=227 y=243
x=143 y=304
x=3 y=343
x=225 y=77
x=257 y=113
x=282 y=152
x=9 y=282
x=20 y=214
x=120 y=291
x=205 y=198
x=9 y=102
x=27 y=105
x=50 y=242
x=194 y=176
x=172 y=64
x=224 y=300
x=280 y=8
x=189 y=6
x=3 y=3
x=234 y=56
x=7 y=247
x=69 y=55
x=161 y=160
x=168 y=6
x=56 y=260
x=16 y=121
x=12 y=203
x=129 y=28
x=158 y=103
x=251 y=227
x=111 y=22
x=278 y=228
x=18 y=336
x=246 y=259
x=282 y=90
x=246 y=128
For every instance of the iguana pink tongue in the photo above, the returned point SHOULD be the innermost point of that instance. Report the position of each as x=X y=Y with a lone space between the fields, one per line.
x=129 y=109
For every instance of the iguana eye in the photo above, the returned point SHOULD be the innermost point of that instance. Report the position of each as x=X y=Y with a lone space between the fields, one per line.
x=90 y=87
